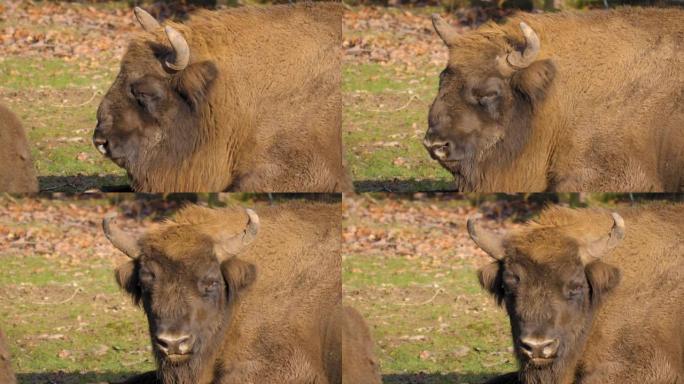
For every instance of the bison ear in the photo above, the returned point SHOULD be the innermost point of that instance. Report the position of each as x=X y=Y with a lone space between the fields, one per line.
x=238 y=275
x=194 y=82
x=127 y=278
x=535 y=80
x=602 y=279
x=491 y=279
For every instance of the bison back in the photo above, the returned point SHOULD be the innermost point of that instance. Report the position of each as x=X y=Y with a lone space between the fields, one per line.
x=16 y=167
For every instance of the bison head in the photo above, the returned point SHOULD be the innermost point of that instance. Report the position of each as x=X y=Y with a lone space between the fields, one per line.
x=187 y=282
x=151 y=114
x=550 y=285
x=487 y=95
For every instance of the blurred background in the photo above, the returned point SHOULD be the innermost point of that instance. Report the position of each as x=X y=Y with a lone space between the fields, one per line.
x=410 y=268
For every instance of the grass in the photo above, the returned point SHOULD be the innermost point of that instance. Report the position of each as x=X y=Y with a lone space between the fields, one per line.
x=438 y=323
x=65 y=318
x=69 y=319
x=57 y=100
x=431 y=321
x=385 y=114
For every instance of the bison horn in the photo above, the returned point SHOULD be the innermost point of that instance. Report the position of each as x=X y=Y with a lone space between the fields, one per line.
x=488 y=241
x=147 y=21
x=180 y=49
x=519 y=61
x=597 y=248
x=231 y=245
x=120 y=239
x=445 y=31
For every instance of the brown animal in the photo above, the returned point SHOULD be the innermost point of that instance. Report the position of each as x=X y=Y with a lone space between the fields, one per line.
x=592 y=297
x=6 y=373
x=243 y=99
x=571 y=101
x=359 y=364
x=236 y=298
x=16 y=167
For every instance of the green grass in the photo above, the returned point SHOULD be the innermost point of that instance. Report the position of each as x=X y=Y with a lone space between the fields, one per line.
x=57 y=100
x=412 y=309
x=69 y=318
x=385 y=117
x=431 y=321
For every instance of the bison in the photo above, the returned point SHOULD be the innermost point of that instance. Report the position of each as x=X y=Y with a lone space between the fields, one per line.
x=233 y=297
x=359 y=364
x=6 y=373
x=593 y=297
x=16 y=166
x=242 y=99
x=571 y=101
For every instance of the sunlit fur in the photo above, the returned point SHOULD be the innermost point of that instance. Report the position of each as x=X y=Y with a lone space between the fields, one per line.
x=6 y=372
x=625 y=327
x=599 y=110
x=258 y=108
x=276 y=322
x=17 y=174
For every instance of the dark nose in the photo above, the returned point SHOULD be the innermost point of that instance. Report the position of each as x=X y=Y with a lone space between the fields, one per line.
x=100 y=141
x=437 y=146
x=175 y=344
x=539 y=347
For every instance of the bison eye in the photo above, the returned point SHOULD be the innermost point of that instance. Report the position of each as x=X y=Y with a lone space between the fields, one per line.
x=574 y=292
x=210 y=287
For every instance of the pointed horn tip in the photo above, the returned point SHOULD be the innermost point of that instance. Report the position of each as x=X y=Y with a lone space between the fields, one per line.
x=619 y=224
x=470 y=223
x=107 y=220
x=253 y=217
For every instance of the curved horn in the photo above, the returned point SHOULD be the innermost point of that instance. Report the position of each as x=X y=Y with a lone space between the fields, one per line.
x=598 y=248
x=147 y=21
x=448 y=33
x=180 y=49
x=231 y=245
x=488 y=241
x=516 y=59
x=121 y=240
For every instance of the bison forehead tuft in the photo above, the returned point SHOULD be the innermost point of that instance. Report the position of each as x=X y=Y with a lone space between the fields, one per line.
x=178 y=243
x=544 y=245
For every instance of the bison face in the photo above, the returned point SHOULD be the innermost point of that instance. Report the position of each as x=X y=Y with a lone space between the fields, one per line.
x=154 y=106
x=188 y=283
x=550 y=286
x=467 y=118
x=486 y=98
x=187 y=302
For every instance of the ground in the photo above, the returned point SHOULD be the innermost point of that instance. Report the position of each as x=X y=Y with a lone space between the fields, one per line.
x=57 y=60
x=410 y=269
x=60 y=307
x=390 y=74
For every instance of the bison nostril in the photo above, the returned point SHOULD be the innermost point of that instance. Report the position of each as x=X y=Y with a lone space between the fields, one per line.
x=101 y=144
x=174 y=345
x=538 y=348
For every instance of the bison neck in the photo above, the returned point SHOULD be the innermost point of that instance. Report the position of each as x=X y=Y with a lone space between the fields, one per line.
x=564 y=369
x=520 y=161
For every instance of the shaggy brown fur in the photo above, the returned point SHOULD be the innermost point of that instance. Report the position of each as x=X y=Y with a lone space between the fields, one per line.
x=6 y=373
x=619 y=318
x=258 y=109
x=283 y=293
x=16 y=167
x=601 y=108
x=359 y=364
